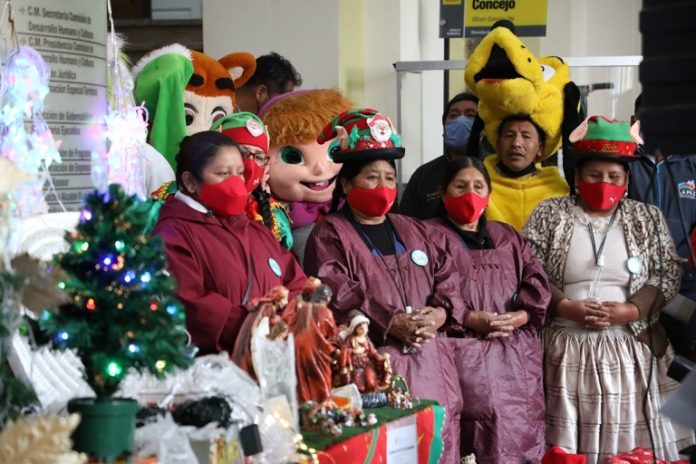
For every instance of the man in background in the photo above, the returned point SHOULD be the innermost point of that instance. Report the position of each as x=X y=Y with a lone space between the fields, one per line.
x=669 y=182
x=274 y=75
x=422 y=195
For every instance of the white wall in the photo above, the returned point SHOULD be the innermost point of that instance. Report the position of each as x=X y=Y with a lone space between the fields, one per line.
x=591 y=28
x=303 y=31
x=596 y=28
x=400 y=30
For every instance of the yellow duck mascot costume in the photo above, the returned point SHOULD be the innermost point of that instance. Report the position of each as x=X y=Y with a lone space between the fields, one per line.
x=509 y=80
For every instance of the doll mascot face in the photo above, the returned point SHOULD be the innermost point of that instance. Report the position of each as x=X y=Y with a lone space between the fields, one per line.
x=301 y=170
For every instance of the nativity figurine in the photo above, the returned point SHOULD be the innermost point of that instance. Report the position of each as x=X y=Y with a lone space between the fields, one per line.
x=360 y=362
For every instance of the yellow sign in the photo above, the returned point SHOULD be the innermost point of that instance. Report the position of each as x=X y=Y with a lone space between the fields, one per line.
x=528 y=16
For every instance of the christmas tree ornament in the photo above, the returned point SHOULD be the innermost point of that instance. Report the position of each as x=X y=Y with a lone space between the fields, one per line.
x=55 y=376
x=10 y=177
x=40 y=288
x=274 y=365
x=312 y=324
x=269 y=306
x=360 y=362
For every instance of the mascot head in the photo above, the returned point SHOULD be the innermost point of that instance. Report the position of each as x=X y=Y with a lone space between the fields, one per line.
x=302 y=170
x=510 y=80
x=186 y=91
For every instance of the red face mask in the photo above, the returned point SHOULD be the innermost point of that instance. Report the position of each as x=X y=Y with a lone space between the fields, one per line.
x=253 y=173
x=601 y=196
x=371 y=202
x=466 y=208
x=226 y=198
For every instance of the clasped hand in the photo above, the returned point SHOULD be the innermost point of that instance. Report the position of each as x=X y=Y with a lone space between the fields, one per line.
x=596 y=315
x=419 y=327
x=494 y=325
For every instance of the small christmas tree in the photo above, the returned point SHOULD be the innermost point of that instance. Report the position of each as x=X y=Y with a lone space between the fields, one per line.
x=123 y=313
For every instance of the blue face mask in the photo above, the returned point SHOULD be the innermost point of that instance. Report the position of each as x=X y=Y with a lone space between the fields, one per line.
x=457 y=133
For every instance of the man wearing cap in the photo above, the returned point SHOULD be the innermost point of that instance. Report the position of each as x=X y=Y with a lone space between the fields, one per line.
x=248 y=131
x=392 y=268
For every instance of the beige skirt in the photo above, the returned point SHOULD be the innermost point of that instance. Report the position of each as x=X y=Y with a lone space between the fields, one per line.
x=601 y=398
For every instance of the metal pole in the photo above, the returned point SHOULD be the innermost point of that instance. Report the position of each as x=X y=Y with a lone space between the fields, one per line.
x=399 y=162
x=447 y=76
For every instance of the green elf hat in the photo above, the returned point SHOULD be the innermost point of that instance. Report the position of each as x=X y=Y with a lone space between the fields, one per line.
x=160 y=81
x=244 y=128
x=603 y=138
x=363 y=135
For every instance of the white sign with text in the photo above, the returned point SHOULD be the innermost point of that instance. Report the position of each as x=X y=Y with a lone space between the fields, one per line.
x=71 y=37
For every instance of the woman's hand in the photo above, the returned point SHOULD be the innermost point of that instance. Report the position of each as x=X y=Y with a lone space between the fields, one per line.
x=419 y=327
x=494 y=325
x=437 y=316
x=586 y=312
x=620 y=313
x=505 y=324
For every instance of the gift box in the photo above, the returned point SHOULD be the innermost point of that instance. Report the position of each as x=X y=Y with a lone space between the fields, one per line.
x=400 y=435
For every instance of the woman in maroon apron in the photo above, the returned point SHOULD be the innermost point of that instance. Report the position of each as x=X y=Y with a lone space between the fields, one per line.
x=390 y=267
x=495 y=335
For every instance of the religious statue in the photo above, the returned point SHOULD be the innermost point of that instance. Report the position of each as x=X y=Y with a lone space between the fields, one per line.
x=360 y=362
x=313 y=326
